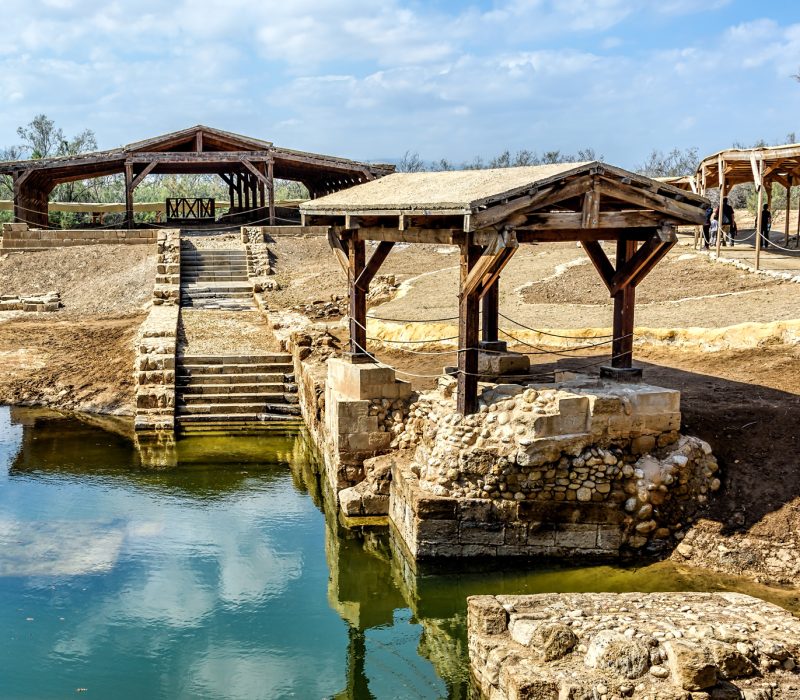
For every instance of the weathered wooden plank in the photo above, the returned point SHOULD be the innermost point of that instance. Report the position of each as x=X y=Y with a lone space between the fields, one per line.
x=358 y=299
x=590 y=212
x=639 y=264
x=340 y=250
x=624 y=308
x=142 y=175
x=410 y=235
x=468 y=317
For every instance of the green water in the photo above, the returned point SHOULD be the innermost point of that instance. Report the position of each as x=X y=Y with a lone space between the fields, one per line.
x=225 y=577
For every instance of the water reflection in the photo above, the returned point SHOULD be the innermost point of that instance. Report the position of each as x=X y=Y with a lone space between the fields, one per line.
x=227 y=575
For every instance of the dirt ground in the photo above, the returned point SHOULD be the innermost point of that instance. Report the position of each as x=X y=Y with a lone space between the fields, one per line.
x=71 y=364
x=224 y=332
x=80 y=357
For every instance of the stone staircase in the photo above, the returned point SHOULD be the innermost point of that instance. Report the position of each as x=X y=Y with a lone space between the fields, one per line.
x=215 y=279
x=230 y=392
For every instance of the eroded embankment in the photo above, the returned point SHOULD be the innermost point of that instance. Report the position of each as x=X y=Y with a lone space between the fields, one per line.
x=79 y=358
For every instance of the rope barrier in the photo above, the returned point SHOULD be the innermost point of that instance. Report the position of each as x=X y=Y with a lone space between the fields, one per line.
x=415 y=320
x=553 y=335
x=779 y=247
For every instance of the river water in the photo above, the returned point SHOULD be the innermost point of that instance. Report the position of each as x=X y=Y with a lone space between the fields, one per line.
x=225 y=577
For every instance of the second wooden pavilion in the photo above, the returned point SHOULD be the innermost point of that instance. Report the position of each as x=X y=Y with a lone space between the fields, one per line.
x=489 y=214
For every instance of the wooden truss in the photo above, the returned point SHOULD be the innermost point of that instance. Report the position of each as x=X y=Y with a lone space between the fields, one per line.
x=636 y=215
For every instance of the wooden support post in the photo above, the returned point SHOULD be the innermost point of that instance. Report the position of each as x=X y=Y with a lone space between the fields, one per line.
x=468 y=315
x=797 y=234
x=129 y=194
x=262 y=189
x=198 y=142
x=271 y=192
x=759 y=212
x=358 y=301
x=721 y=167
x=231 y=192
x=624 y=304
x=246 y=188
x=788 y=209
x=239 y=195
x=490 y=319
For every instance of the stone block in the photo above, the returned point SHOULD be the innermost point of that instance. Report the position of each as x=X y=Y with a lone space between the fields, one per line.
x=472 y=532
x=650 y=399
x=435 y=507
x=437 y=530
x=359 y=381
x=609 y=539
x=498 y=364
x=573 y=406
x=579 y=536
x=486 y=615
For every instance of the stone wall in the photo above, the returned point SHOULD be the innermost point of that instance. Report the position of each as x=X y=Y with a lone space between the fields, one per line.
x=167 y=289
x=18 y=237
x=659 y=646
x=156 y=342
x=259 y=260
x=583 y=467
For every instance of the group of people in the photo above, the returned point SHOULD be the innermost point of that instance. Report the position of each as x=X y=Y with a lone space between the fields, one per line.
x=729 y=230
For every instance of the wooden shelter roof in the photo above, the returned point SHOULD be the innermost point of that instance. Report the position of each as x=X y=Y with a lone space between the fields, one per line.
x=533 y=198
x=741 y=165
x=178 y=152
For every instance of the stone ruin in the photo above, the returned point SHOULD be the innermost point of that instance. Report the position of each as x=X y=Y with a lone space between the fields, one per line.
x=583 y=466
x=647 y=646
x=51 y=301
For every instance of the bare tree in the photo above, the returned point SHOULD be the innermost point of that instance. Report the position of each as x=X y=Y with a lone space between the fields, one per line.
x=410 y=163
x=673 y=164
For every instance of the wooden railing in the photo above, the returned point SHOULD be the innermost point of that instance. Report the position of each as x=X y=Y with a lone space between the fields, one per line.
x=191 y=209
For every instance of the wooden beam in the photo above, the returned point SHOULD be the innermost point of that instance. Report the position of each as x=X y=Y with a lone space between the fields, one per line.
x=639 y=265
x=491 y=262
x=633 y=218
x=271 y=191
x=497 y=213
x=254 y=170
x=758 y=176
x=375 y=261
x=600 y=261
x=410 y=235
x=686 y=213
x=142 y=175
x=590 y=211
x=624 y=307
x=468 y=317
x=198 y=142
x=788 y=209
x=188 y=157
x=129 y=194
x=358 y=300
x=490 y=313
x=639 y=233
x=721 y=171
x=340 y=249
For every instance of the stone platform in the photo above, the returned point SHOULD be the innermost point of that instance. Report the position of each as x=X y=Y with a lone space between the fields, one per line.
x=583 y=467
x=656 y=646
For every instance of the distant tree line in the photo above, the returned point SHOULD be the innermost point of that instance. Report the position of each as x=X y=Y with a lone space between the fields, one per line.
x=42 y=139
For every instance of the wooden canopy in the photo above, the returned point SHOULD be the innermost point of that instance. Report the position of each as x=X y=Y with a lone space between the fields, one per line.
x=247 y=165
x=489 y=214
x=761 y=166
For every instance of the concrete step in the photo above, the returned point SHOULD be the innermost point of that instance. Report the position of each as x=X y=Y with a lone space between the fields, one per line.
x=211 y=296
x=211 y=277
x=234 y=389
x=217 y=306
x=232 y=409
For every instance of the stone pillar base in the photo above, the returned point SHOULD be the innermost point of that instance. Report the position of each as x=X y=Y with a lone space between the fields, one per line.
x=630 y=375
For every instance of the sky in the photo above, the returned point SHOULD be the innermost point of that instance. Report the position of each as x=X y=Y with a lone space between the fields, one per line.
x=372 y=79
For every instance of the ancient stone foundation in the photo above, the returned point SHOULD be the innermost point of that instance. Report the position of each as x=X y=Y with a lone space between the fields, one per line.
x=365 y=408
x=582 y=467
x=18 y=237
x=657 y=646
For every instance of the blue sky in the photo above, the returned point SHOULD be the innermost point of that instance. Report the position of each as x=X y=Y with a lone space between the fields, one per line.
x=371 y=79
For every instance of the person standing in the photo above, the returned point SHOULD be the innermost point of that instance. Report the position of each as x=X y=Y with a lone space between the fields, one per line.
x=726 y=224
x=707 y=228
x=766 y=225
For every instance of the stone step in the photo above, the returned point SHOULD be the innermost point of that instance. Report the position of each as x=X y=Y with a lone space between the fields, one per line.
x=239 y=379
x=211 y=277
x=225 y=423
x=259 y=398
x=217 y=306
x=232 y=409
x=193 y=370
x=211 y=296
x=235 y=389
x=246 y=358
